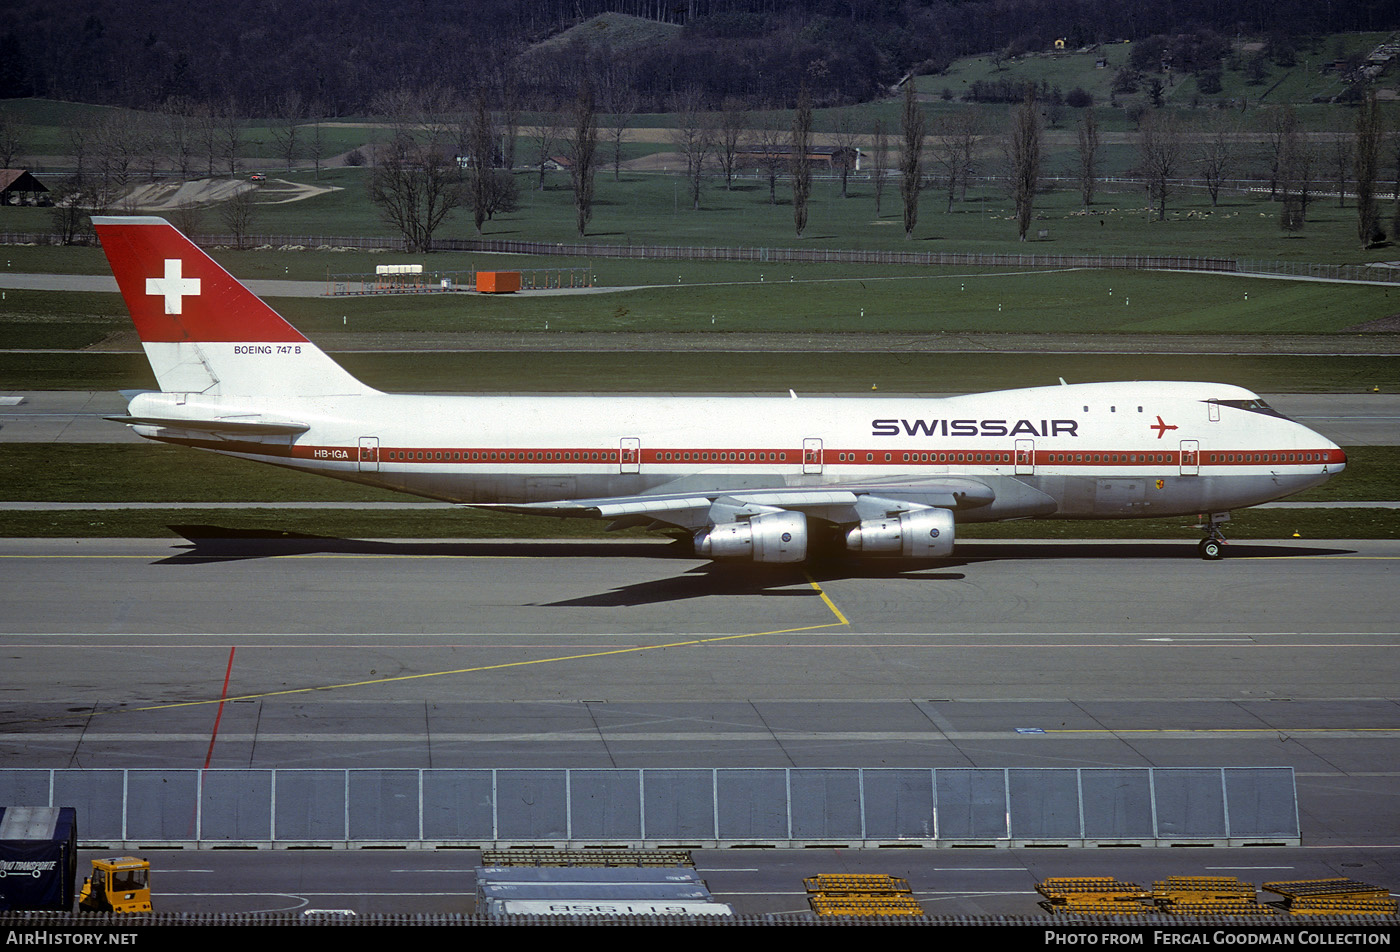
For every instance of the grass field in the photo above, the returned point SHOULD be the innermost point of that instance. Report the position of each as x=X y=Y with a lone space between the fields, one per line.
x=749 y=372
x=721 y=297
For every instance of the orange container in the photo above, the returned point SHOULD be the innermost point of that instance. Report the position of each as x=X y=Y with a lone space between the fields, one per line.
x=498 y=282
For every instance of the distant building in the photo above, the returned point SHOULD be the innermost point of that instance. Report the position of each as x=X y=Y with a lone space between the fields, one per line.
x=18 y=187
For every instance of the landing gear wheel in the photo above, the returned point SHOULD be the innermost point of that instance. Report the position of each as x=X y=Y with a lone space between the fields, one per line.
x=1211 y=549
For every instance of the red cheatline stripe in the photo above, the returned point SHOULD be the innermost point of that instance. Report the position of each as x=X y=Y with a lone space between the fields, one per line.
x=228 y=672
x=764 y=457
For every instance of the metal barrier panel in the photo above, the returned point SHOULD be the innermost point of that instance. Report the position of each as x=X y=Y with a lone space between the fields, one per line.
x=459 y=804
x=160 y=804
x=383 y=804
x=678 y=804
x=235 y=805
x=100 y=798
x=1117 y=803
x=1262 y=801
x=971 y=803
x=693 y=805
x=752 y=804
x=1190 y=802
x=25 y=788
x=309 y=805
x=826 y=804
x=1044 y=803
x=899 y=804
x=605 y=804
x=532 y=804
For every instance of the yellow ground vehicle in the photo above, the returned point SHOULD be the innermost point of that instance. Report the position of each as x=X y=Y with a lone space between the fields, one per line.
x=120 y=884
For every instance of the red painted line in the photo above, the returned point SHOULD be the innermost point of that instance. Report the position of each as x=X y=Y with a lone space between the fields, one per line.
x=1125 y=459
x=228 y=673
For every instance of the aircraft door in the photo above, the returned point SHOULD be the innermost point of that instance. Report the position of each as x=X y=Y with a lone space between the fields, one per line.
x=1190 y=458
x=630 y=455
x=812 y=455
x=1025 y=457
x=369 y=454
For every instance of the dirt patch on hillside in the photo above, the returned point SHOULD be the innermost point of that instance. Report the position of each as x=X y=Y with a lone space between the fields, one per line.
x=169 y=196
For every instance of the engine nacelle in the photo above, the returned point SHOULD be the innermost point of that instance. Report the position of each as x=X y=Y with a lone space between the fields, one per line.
x=767 y=537
x=921 y=534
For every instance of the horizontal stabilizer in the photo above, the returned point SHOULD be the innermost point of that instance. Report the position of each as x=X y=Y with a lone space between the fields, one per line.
x=240 y=427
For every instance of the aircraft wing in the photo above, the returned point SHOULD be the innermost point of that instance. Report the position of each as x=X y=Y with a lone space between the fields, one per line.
x=841 y=505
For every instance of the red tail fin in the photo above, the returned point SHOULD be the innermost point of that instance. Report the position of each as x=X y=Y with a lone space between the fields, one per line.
x=176 y=292
x=202 y=331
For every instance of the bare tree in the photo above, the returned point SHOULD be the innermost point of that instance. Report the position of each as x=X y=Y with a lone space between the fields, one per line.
x=1214 y=153
x=316 y=141
x=1086 y=134
x=148 y=140
x=206 y=126
x=9 y=143
x=801 y=159
x=583 y=149
x=952 y=146
x=189 y=218
x=1296 y=166
x=115 y=150
x=178 y=128
x=733 y=119
x=1159 y=151
x=230 y=134
x=911 y=156
x=1280 y=128
x=544 y=139
x=74 y=202
x=847 y=144
x=772 y=156
x=694 y=137
x=237 y=214
x=620 y=103
x=287 y=115
x=879 y=171
x=416 y=181
x=1368 y=150
x=1025 y=161
x=479 y=150
x=1342 y=156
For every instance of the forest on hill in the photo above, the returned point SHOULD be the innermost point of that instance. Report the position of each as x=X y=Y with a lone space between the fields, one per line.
x=257 y=53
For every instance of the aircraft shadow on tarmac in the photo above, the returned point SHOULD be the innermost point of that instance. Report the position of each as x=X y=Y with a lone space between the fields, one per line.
x=210 y=543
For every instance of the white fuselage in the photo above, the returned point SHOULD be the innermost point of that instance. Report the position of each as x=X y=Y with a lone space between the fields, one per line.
x=1077 y=451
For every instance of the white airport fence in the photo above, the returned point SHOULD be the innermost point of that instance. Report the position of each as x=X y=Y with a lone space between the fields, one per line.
x=498 y=808
x=1360 y=273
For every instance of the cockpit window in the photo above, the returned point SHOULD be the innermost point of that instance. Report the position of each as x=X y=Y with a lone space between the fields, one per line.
x=1252 y=405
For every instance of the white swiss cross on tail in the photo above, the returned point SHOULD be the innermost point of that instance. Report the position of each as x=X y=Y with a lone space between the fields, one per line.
x=173 y=287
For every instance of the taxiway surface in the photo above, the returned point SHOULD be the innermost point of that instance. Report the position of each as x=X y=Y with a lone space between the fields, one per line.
x=394 y=654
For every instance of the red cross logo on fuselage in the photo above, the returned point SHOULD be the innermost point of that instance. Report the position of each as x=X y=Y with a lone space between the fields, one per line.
x=1161 y=427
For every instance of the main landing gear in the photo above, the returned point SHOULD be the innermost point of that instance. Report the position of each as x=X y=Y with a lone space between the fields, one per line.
x=1212 y=547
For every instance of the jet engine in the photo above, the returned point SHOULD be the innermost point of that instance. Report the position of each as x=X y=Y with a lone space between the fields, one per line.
x=921 y=534
x=767 y=537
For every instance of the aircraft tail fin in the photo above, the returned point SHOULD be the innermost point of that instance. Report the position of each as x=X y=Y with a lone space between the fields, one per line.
x=202 y=330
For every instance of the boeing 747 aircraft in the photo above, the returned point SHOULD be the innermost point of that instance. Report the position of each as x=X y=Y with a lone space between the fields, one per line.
x=747 y=477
